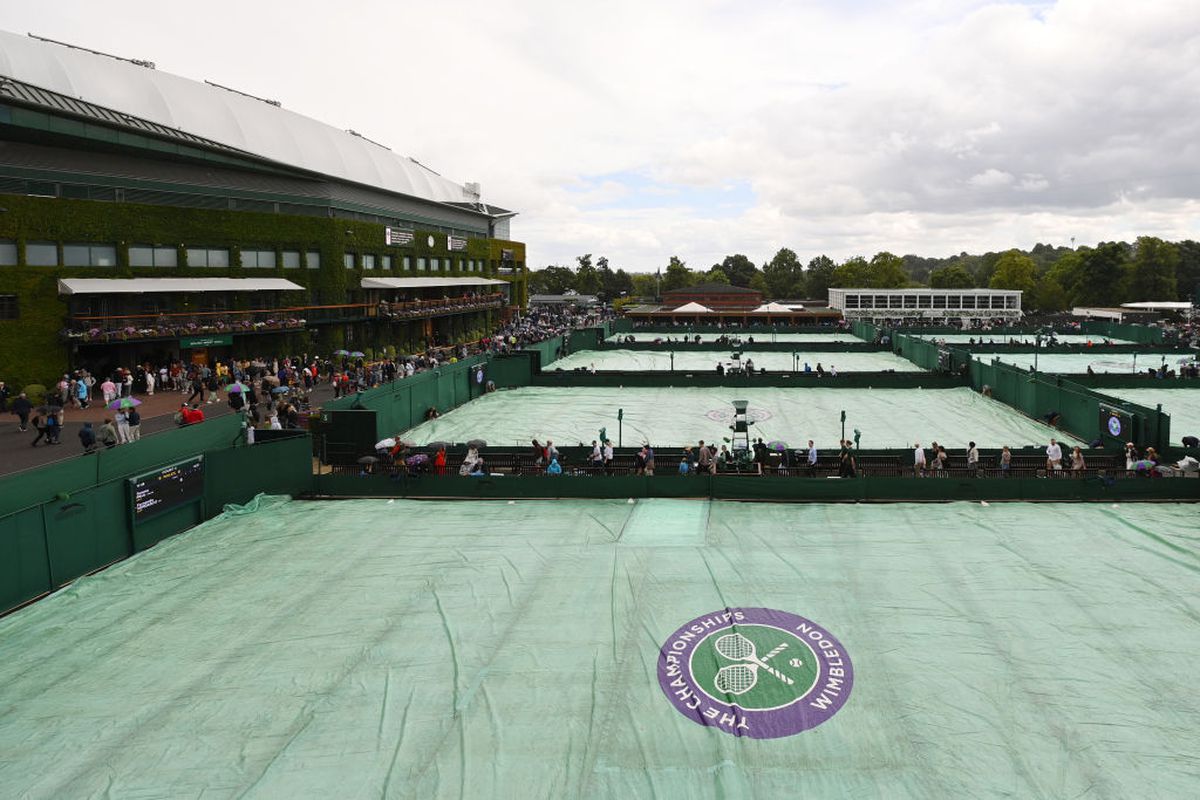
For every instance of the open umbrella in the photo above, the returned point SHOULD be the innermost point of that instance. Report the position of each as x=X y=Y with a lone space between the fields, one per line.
x=341 y=352
x=437 y=445
x=368 y=460
x=777 y=446
x=419 y=458
x=357 y=354
x=477 y=443
x=123 y=402
x=237 y=387
x=384 y=444
x=281 y=390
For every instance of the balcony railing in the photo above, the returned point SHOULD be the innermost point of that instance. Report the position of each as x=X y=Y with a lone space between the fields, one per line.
x=101 y=329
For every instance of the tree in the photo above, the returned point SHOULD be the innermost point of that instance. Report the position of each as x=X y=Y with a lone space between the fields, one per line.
x=1049 y=295
x=1014 y=270
x=1151 y=273
x=677 y=275
x=554 y=279
x=952 y=276
x=645 y=284
x=714 y=275
x=1187 y=274
x=1099 y=279
x=784 y=275
x=886 y=271
x=853 y=272
x=739 y=268
x=587 y=277
x=819 y=277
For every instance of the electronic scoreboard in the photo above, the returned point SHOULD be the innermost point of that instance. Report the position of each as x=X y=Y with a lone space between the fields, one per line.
x=171 y=487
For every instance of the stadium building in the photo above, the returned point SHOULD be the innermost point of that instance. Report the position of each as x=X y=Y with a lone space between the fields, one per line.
x=148 y=216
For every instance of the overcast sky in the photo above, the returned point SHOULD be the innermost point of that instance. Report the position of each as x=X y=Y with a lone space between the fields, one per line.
x=642 y=130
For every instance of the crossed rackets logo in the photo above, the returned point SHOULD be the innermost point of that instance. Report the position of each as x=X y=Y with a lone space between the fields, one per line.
x=737 y=679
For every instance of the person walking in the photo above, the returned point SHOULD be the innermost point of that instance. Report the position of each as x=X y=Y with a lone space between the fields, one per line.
x=39 y=425
x=1077 y=463
x=972 y=460
x=918 y=460
x=608 y=457
x=1005 y=461
x=21 y=407
x=812 y=459
x=1054 y=456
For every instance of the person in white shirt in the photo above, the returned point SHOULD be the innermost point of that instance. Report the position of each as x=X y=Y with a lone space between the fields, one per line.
x=150 y=383
x=608 y=456
x=918 y=460
x=812 y=458
x=972 y=460
x=1053 y=456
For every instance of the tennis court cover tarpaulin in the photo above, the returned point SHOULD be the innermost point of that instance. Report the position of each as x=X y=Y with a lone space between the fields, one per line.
x=657 y=649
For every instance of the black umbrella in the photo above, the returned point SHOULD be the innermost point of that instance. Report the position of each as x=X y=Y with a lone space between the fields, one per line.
x=437 y=445
x=477 y=443
x=368 y=460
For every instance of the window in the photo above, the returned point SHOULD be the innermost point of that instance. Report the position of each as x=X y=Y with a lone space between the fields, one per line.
x=89 y=255
x=433 y=265
x=8 y=253
x=8 y=307
x=258 y=259
x=368 y=261
x=348 y=260
x=407 y=263
x=953 y=301
x=910 y=301
x=420 y=265
x=208 y=258
x=924 y=301
x=291 y=259
x=387 y=262
x=470 y=265
x=312 y=259
x=41 y=254
x=939 y=301
x=143 y=255
x=968 y=301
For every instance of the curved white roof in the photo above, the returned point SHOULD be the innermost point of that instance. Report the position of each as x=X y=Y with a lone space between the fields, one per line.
x=221 y=116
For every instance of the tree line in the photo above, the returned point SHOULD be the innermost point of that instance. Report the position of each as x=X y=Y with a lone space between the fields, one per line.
x=1053 y=278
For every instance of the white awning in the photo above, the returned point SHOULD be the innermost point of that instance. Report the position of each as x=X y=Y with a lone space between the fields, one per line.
x=774 y=308
x=173 y=285
x=427 y=283
x=1160 y=306
x=692 y=308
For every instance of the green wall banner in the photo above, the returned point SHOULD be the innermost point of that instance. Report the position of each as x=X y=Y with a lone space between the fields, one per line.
x=214 y=340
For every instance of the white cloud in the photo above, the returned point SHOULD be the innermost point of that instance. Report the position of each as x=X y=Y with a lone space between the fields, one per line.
x=924 y=127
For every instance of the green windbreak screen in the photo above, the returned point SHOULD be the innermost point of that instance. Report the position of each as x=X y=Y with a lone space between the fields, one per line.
x=1078 y=363
x=477 y=650
x=646 y=336
x=677 y=416
x=1182 y=404
x=1030 y=339
x=707 y=362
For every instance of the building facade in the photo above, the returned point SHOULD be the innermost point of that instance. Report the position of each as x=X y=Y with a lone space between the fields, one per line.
x=941 y=305
x=291 y=236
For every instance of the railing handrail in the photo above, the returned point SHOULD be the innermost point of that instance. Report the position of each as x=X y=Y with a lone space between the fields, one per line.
x=438 y=302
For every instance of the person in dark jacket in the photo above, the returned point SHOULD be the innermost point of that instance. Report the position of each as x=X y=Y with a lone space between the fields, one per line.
x=108 y=434
x=22 y=408
x=87 y=438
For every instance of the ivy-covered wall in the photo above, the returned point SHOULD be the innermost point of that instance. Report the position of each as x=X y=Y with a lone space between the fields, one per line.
x=30 y=347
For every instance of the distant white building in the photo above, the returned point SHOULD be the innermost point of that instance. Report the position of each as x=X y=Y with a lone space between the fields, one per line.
x=933 y=304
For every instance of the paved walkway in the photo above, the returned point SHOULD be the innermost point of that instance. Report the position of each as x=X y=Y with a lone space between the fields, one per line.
x=157 y=413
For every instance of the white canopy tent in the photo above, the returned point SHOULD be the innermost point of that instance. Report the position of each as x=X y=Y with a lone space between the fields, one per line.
x=772 y=308
x=692 y=308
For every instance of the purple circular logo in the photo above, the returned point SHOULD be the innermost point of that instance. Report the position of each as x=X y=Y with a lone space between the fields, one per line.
x=756 y=672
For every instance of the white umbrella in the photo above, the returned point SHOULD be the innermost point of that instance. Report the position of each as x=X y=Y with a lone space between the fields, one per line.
x=385 y=444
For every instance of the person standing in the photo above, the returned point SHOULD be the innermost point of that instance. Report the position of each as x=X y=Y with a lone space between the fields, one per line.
x=918 y=460
x=135 y=420
x=1077 y=462
x=972 y=460
x=108 y=390
x=122 y=423
x=812 y=459
x=4 y=393
x=39 y=425
x=608 y=457
x=108 y=434
x=1005 y=461
x=150 y=383
x=1131 y=453
x=87 y=438
x=1054 y=456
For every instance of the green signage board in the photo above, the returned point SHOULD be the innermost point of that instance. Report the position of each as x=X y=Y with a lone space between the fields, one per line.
x=215 y=340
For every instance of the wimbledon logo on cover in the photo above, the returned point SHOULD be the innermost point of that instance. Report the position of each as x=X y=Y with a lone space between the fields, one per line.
x=756 y=672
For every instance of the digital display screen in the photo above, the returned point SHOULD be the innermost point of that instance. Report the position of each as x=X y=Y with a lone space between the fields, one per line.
x=168 y=488
x=1116 y=423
